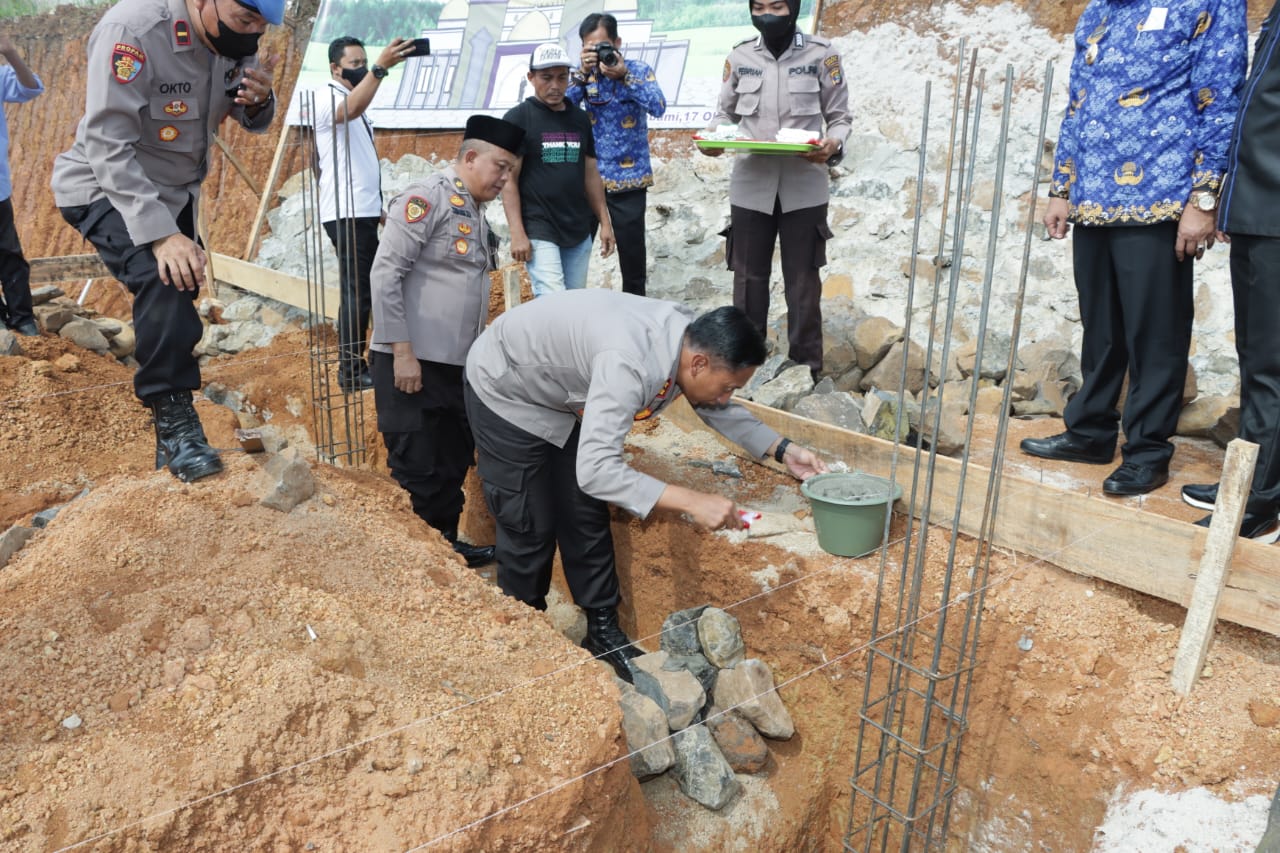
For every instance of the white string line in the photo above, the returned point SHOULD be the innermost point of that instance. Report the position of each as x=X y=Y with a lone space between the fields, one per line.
x=960 y=598
x=526 y=683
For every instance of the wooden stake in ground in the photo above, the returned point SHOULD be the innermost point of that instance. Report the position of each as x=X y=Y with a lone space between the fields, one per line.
x=1215 y=564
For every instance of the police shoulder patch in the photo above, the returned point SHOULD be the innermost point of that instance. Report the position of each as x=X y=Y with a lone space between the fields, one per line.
x=456 y=200
x=126 y=62
x=728 y=69
x=415 y=209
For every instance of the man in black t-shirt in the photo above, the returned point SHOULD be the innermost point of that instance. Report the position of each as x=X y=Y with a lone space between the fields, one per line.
x=555 y=196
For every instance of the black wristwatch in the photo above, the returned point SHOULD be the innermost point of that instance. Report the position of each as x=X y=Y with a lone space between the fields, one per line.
x=378 y=72
x=781 y=450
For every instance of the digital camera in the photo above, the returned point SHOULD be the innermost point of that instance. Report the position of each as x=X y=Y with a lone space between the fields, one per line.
x=607 y=54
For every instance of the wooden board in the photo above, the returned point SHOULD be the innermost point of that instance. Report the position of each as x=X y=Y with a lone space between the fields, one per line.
x=67 y=268
x=1092 y=536
x=280 y=286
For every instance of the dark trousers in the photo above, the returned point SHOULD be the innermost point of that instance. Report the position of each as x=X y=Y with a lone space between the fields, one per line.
x=429 y=447
x=15 y=273
x=356 y=241
x=531 y=489
x=626 y=211
x=1136 y=308
x=164 y=318
x=1255 y=284
x=803 y=234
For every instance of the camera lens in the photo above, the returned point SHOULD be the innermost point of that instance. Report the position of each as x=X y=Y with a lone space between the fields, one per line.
x=606 y=54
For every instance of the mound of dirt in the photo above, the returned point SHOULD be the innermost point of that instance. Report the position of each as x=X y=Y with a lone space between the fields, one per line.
x=246 y=679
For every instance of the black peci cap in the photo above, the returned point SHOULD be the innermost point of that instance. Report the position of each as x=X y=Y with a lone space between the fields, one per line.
x=501 y=133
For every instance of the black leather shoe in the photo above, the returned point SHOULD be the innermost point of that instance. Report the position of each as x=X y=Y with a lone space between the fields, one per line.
x=1201 y=497
x=28 y=328
x=1134 y=479
x=606 y=641
x=475 y=555
x=361 y=381
x=180 y=440
x=1067 y=447
x=1260 y=527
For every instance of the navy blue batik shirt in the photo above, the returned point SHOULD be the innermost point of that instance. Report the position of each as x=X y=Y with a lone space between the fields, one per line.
x=618 y=118
x=1154 y=89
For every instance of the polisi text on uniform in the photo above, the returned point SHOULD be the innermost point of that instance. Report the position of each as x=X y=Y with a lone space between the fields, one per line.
x=175 y=88
x=798 y=70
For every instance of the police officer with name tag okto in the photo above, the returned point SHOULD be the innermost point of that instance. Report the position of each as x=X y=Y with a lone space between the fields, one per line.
x=163 y=74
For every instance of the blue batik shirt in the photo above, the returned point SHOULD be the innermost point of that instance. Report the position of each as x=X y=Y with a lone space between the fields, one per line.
x=1153 y=95
x=619 y=122
x=11 y=92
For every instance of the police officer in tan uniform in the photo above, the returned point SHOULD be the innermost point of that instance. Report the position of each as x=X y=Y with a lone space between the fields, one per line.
x=163 y=74
x=782 y=79
x=430 y=287
x=553 y=388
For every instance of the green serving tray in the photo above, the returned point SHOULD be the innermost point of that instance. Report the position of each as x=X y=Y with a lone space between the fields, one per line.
x=757 y=146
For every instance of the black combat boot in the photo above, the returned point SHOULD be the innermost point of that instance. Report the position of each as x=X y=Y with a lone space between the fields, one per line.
x=180 y=441
x=606 y=641
x=474 y=555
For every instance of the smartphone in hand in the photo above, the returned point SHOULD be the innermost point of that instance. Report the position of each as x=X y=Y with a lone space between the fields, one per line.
x=421 y=47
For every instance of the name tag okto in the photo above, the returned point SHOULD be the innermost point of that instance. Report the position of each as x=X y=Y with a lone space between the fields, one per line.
x=1155 y=20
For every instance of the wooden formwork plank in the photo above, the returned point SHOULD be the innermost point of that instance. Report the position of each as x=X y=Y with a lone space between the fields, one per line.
x=1092 y=536
x=1215 y=565
x=264 y=198
x=280 y=286
x=510 y=287
x=67 y=268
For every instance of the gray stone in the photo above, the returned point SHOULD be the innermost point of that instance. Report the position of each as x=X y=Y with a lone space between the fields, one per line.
x=41 y=295
x=9 y=343
x=850 y=380
x=677 y=692
x=739 y=742
x=880 y=415
x=124 y=342
x=83 y=333
x=109 y=326
x=42 y=518
x=990 y=400
x=764 y=373
x=947 y=432
x=748 y=689
x=995 y=356
x=696 y=664
x=273 y=440
x=839 y=408
x=241 y=336
x=566 y=617
x=53 y=315
x=701 y=769
x=680 y=632
x=1200 y=417
x=1050 y=358
x=12 y=540
x=888 y=371
x=245 y=308
x=872 y=338
x=826 y=385
x=286 y=480
x=720 y=636
x=645 y=727
x=785 y=390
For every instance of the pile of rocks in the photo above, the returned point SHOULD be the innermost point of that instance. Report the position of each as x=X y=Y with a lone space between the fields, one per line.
x=863 y=368
x=700 y=709
x=60 y=315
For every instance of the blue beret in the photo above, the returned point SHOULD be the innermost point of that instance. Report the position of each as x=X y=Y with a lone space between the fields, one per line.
x=272 y=10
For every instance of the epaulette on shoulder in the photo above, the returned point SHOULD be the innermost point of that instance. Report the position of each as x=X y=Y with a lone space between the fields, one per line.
x=746 y=40
x=817 y=39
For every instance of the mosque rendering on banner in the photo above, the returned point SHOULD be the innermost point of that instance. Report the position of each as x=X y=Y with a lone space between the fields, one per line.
x=480 y=51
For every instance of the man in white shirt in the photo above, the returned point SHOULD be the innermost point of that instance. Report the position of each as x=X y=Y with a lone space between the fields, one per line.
x=351 y=188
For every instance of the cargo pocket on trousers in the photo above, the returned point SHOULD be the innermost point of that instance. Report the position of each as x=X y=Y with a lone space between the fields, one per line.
x=727 y=234
x=506 y=496
x=820 y=245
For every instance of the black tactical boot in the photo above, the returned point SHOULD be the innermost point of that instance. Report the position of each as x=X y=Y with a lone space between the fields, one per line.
x=606 y=641
x=180 y=441
x=474 y=555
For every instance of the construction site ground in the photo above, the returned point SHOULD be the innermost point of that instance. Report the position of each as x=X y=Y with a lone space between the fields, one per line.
x=176 y=620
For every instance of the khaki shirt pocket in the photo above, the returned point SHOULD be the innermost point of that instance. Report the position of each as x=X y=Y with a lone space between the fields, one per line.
x=747 y=92
x=173 y=123
x=805 y=96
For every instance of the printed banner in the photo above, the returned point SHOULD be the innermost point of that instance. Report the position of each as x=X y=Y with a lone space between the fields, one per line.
x=480 y=52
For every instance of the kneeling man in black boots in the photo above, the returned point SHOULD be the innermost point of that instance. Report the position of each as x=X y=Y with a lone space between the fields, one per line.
x=552 y=389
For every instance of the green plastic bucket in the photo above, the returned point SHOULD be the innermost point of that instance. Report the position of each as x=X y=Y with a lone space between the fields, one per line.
x=849 y=510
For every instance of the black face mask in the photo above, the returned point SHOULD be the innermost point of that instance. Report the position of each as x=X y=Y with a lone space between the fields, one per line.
x=232 y=44
x=354 y=75
x=774 y=28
